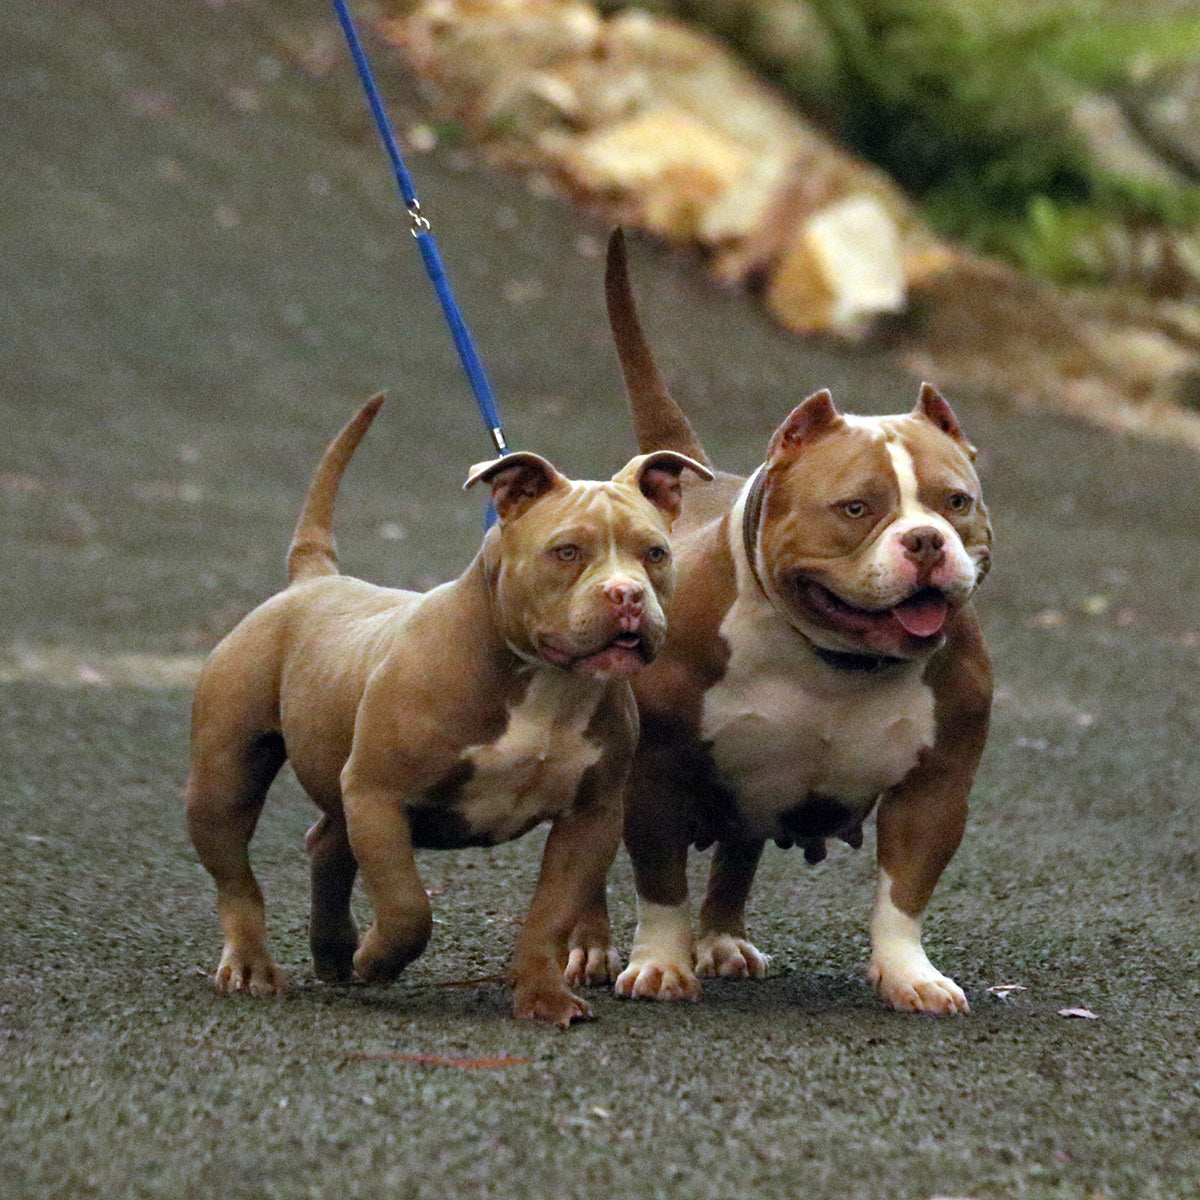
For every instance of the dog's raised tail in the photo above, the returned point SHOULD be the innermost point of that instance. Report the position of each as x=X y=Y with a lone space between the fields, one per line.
x=658 y=422
x=313 y=551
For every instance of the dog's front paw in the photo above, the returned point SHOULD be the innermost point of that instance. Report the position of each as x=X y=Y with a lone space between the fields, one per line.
x=593 y=965
x=920 y=990
x=723 y=956
x=248 y=969
x=550 y=1002
x=660 y=979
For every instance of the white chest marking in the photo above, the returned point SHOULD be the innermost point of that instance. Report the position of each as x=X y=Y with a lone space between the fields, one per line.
x=784 y=726
x=533 y=770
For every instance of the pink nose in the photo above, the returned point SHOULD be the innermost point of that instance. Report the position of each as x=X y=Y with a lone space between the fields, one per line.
x=924 y=546
x=624 y=593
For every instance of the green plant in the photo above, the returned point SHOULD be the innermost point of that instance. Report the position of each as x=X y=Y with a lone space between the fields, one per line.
x=967 y=104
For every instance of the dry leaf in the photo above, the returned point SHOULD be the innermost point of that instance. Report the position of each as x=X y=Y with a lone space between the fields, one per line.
x=1004 y=990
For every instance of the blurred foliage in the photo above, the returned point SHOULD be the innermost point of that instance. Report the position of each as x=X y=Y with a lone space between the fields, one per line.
x=967 y=104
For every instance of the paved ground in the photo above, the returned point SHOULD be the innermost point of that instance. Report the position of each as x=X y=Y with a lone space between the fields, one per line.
x=204 y=271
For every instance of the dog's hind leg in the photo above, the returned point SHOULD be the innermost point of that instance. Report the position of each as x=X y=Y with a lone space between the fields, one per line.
x=332 y=933
x=722 y=948
x=225 y=792
x=657 y=835
x=592 y=958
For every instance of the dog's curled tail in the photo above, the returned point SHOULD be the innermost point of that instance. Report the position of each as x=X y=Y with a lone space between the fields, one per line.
x=312 y=551
x=658 y=422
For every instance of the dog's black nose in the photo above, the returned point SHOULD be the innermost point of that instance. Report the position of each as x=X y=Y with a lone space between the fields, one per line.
x=924 y=545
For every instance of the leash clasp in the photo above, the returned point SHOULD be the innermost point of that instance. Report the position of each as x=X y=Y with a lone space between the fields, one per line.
x=420 y=223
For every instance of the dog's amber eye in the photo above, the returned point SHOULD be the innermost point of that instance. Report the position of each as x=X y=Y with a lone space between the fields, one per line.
x=567 y=554
x=855 y=509
x=960 y=502
x=657 y=555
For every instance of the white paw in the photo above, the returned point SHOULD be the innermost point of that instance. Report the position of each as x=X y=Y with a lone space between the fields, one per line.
x=660 y=963
x=920 y=990
x=900 y=969
x=723 y=956
x=592 y=966
x=657 y=979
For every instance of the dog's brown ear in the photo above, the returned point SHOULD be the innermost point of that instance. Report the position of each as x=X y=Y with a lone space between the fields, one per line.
x=656 y=476
x=807 y=421
x=932 y=406
x=517 y=481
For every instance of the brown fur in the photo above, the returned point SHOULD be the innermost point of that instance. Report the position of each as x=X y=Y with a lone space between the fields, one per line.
x=464 y=715
x=677 y=796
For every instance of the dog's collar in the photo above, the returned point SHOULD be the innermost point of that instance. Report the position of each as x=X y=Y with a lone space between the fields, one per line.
x=839 y=660
x=848 y=660
x=751 y=518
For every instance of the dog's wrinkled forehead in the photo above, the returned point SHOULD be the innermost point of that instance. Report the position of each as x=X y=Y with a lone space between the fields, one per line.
x=846 y=463
x=605 y=507
x=906 y=446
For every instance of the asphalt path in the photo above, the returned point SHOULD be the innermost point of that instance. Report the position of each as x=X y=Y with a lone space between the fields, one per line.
x=204 y=271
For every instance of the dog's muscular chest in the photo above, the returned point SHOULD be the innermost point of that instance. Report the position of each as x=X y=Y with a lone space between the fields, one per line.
x=800 y=744
x=531 y=772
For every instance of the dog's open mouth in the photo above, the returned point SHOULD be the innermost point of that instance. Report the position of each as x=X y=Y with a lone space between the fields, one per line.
x=623 y=655
x=923 y=615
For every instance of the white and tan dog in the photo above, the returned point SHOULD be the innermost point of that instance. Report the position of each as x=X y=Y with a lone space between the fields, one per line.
x=822 y=659
x=462 y=716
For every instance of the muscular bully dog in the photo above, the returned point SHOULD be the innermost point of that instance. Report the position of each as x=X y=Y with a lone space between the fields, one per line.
x=822 y=658
x=462 y=716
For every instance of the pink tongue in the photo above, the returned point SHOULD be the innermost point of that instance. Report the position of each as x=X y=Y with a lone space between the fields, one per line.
x=924 y=614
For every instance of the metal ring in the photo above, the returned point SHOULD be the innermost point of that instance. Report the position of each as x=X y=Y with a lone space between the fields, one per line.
x=420 y=224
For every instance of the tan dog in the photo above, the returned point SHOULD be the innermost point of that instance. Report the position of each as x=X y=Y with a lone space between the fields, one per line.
x=463 y=716
x=822 y=658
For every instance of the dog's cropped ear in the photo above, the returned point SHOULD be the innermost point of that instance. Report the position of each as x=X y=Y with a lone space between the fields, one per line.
x=517 y=480
x=804 y=424
x=656 y=476
x=932 y=406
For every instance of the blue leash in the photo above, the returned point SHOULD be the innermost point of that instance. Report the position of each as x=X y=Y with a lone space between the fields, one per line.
x=484 y=397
